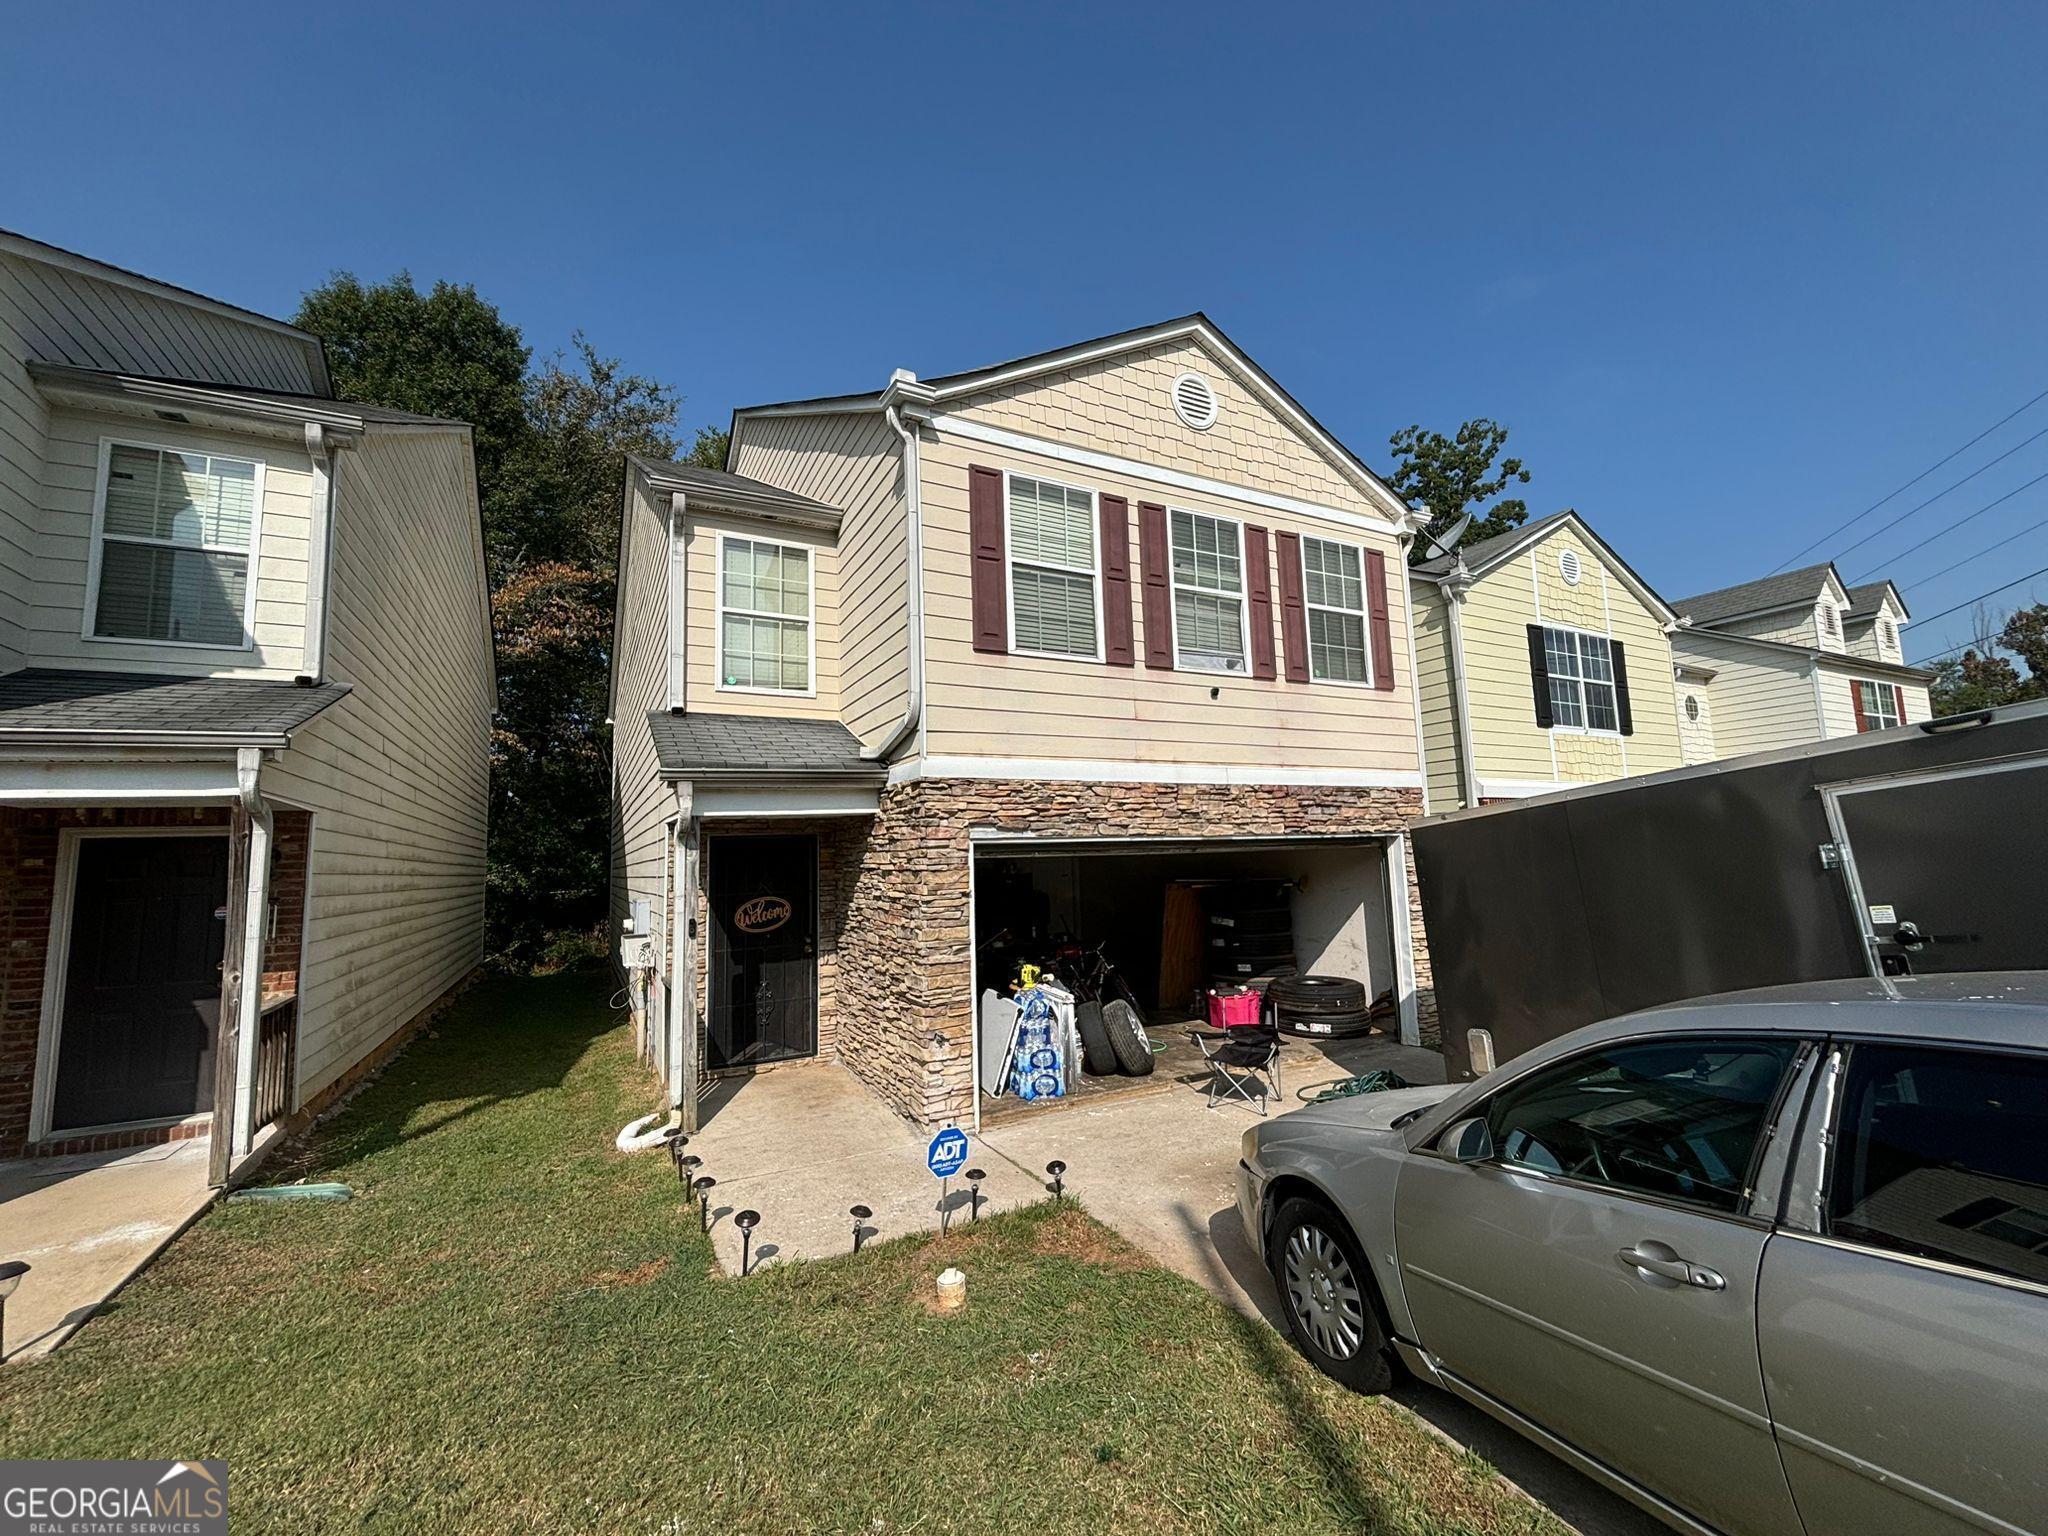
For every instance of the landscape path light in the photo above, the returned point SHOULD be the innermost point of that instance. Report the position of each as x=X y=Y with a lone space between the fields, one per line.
x=704 y=1186
x=974 y=1178
x=746 y=1221
x=859 y=1213
x=1058 y=1171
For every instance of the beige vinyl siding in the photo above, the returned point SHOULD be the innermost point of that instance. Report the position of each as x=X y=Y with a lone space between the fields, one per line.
x=1508 y=744
x=63 y=544
x=1863 y=638
x=702 y=693
x=981 y=705
x=1122 y=405
x=852 y=461
x=1695 y=737
x=641 y=803
x=64 y=316
x=1439 y=705
x=1761 y=699
x=397 y=774
x=24 y=419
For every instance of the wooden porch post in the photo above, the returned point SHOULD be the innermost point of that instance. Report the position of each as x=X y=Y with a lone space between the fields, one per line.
x=227 y=1033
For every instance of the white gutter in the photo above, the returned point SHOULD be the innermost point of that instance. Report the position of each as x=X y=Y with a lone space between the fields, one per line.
x=324 y=448
x=903 y=388
x=1455 y=587
x=255 y=929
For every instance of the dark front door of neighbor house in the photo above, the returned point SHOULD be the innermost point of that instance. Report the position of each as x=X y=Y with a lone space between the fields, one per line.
x=142 y=980
x=762 y=893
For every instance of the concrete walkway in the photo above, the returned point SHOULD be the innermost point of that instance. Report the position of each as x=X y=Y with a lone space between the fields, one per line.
x=85 y=1225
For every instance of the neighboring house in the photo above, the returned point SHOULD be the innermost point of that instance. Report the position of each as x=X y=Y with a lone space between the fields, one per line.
x=1798 y=657
x=1544 y=662
x=1047 y=637
x=245 y=702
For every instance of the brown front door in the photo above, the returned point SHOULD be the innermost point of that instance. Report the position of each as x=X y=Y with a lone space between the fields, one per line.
x=142 y=981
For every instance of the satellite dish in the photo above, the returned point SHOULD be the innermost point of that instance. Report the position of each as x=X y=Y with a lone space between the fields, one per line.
x=1443 y=543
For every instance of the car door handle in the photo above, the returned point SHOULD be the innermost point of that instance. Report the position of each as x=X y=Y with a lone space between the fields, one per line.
x=1670 y=1267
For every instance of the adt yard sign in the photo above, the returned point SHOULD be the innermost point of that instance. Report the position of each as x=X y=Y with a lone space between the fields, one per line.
x=947 y=1154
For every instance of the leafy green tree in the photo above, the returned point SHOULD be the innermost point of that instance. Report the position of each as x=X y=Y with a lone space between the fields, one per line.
x=711 y=448
x=1455 y=475
x=550 y=446
x=1982 y=679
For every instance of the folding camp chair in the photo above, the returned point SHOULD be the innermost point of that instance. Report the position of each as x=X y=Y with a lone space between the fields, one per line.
x=1244 y=1063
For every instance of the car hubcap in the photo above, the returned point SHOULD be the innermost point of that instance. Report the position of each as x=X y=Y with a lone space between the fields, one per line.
x=1324 y=1293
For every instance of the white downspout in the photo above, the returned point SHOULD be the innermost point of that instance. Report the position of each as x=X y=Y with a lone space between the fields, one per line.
x=1455 y=589
x=324 y=449
x=678 y=658
x=913 y=518
x=255 y=926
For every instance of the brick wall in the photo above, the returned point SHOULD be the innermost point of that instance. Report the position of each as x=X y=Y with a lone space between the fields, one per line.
x=28 y=876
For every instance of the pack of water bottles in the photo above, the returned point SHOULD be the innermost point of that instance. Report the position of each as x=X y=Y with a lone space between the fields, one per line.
x=1038 y=1054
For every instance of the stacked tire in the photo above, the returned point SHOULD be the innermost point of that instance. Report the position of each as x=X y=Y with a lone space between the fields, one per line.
x=1251 y=933
x=1320 y=1007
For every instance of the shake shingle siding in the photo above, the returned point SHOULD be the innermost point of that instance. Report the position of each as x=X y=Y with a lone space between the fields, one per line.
x=398 y=773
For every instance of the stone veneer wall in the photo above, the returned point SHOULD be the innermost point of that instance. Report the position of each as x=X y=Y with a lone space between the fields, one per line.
x=28 y=880
x=906 y=923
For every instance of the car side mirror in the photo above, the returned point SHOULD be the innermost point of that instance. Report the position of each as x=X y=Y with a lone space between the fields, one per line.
x=1469 y=1141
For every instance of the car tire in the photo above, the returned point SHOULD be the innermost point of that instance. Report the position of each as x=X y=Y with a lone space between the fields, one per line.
x=1098 y=1057
x=1127 y=1038
x=1328 y=1297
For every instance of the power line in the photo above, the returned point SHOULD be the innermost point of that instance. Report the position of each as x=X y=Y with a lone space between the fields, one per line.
x=1952 y=527
x=1966 y=602
x=1930 y=469
x=1926 y=580
x=1930 y=501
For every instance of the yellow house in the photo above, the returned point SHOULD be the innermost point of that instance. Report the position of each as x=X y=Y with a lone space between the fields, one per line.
x=1541 y=661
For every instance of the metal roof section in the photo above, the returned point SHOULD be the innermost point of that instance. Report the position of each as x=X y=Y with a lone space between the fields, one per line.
x=53 y=706
x=758 y=747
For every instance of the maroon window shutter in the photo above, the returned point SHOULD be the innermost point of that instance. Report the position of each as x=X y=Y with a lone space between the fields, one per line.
x=1152 y=554
x=1899 y=702
x=985 y=533
x=1376 y=616
x=1114 y=515
x=1293 y=616
x=1856 y=698
x=1258 y=578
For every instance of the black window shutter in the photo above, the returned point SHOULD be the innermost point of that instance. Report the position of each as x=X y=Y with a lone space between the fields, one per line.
x=1628 y=718
x=1539 y=673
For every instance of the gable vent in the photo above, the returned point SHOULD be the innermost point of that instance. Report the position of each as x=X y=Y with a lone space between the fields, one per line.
x=1568 y=567
x=1194 y=401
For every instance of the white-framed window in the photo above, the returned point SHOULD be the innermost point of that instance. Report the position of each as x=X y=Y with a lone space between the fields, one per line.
x=1207 y=573
x=1880 y=706
x=1581 y=667
x=174 y=538
x=1333 y=592
x=1054 y=566
x=765 y=642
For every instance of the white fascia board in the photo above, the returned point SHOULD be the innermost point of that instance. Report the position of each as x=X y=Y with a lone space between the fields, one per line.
x=1520 y=789
x=117 y=781
x=969 y=430
x=713 y=800
x=1088 y=771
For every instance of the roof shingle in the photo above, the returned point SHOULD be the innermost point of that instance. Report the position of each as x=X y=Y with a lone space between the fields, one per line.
x=50 y=702
x=764 y=746
x=1784 y=590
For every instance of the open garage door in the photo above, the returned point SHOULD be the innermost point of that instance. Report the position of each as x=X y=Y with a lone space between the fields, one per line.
x=1162 y=920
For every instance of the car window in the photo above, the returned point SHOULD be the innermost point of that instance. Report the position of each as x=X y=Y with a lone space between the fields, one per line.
x=1678 y=1119
x=1944 y=1154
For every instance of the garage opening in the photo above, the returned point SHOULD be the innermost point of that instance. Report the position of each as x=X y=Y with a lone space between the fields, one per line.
x=1182 y=931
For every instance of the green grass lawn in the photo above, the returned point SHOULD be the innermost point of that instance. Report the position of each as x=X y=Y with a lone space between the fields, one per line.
x=513 y=1328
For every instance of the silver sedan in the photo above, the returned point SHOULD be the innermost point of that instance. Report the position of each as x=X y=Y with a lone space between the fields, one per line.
x=1772 y=1264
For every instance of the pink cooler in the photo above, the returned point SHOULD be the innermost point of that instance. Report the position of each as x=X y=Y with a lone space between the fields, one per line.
x=1234 y=1007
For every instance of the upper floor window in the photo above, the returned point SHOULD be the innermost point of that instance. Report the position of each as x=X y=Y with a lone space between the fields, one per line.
x=1581 y=670
x=1878 y=706
x=1053 y=594
x=1333 y=592
x=764 y=615
x=1208 y=592
x=173 y=536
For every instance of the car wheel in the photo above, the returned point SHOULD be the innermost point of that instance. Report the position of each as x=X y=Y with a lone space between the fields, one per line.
x=1127 y=1037
x=1326 y=1294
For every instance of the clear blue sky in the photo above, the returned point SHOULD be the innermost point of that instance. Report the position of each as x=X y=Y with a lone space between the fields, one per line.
x=1728 y=274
